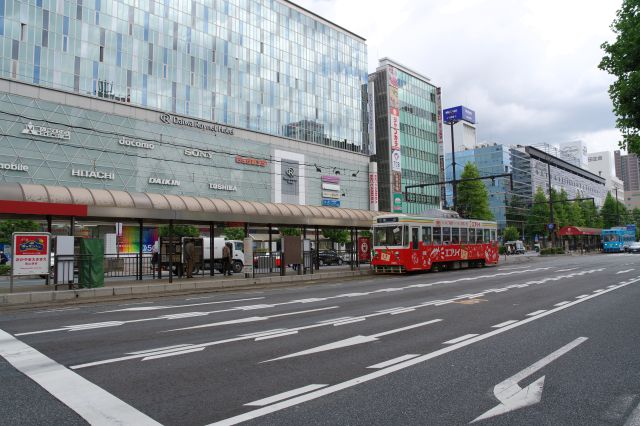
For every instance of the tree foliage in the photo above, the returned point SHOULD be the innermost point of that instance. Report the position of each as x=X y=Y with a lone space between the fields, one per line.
x=516 y=211
x=622 y=59
x=614 y=213
x=510 y=234
x=8 y=227
x=538 y=215
x=234 y=233
x=179 y=231
x=295 y=232
x=473 y=197
x=575 y=214
x=336 y=235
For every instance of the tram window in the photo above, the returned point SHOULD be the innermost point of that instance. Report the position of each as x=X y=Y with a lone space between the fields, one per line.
x=455 y=235
x=446 y=235
x=405 y=236
x=437 y=240
x=415 y=237
x=478 y=235
x=426 y=235
x=493 y=235
x=487 y=236
x=463 y=235
x=388 y=235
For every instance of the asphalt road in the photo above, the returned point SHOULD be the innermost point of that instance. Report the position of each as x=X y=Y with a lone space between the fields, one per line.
x=551 y=341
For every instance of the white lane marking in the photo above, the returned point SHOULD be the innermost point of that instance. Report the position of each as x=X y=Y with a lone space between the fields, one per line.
x=402 y=311
x=172 y=353
x=334 y=320
x=252 y=319
x=393 y=361
x=634 y=418
x=284 y=395
x=275 y=335
x=351 y=341
x=459 y=339
x=511 y=268
x=188 y=305
x=566 y=270
x=57 y=310
x=396 y=367
x=261 y=333
x=562 y=303
x=91 y=402
x=349 y=321
x=532 y=314
x=165 y=348
x=582 y=296
x=624 y=271
x=512 y=396
x=503 y=324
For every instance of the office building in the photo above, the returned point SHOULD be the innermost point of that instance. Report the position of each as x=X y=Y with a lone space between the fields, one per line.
x=254 y=100
x=574 y=152
x=602 y=164
x=628 y=170
x=406 y=130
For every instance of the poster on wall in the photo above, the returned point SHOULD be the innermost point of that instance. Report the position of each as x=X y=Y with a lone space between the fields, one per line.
x=128 y=243
x=397 y=202
x=31 y=253
x=396 y=181
x=396 y=162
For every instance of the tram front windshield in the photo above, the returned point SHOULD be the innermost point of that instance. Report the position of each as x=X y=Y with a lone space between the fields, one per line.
x=390 y=236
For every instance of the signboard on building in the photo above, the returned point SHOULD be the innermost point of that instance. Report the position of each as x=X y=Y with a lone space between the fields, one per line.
x=373 y=187
x=330 y=203
x=188 y=122
x=14 y=166
x=396 y=161
x=46 y=132
x=371 y=117
x=395 y=142
x=31 y=253
x=459 y=113
x=397 y=202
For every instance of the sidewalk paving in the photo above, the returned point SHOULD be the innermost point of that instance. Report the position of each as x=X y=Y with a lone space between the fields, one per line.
x=46 y=295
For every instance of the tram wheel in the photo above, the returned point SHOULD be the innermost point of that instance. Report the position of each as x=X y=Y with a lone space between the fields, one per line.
x=436 y=267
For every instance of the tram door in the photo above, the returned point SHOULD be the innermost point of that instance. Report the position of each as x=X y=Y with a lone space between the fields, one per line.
x=415 y=238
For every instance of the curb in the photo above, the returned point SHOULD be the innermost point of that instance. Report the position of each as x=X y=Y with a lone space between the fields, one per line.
x=28 y=299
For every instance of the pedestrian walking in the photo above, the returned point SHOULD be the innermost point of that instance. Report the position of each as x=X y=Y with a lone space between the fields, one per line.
x=189 y=256
x=3 y=258
x=227 y=255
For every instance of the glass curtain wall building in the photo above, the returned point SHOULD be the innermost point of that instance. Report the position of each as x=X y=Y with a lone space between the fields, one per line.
x=247 y=99
x=408 y=138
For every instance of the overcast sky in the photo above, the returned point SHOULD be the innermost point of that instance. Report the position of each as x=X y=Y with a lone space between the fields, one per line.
x=527 y=67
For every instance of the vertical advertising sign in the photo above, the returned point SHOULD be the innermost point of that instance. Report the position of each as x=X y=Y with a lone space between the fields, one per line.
x=31 y=255
x=443 y=189
x=364 y=249
x=394 y=136
x=371 y=114
x=373 y=187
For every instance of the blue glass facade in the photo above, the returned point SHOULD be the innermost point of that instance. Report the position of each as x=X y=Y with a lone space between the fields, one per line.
x=263 y=65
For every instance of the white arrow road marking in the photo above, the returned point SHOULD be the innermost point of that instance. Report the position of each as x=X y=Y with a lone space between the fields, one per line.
x=91 y=402
x=351 y=341
x=284 y=395
x=513 y=397
x=282 y=405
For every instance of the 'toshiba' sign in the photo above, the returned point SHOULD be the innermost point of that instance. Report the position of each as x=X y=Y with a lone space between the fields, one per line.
x=31 y=253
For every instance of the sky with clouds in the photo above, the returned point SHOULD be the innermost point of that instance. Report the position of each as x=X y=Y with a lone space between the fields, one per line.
x=527 y=67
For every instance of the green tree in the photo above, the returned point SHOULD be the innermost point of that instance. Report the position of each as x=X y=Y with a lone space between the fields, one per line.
x=575 y=214
x=234 y=233
x=510 y=234
x=635 y=214
x=622 y=59
x=516 y=211
x=560 y=208
x=610 y=212
x=290 y=231
x=336 y=235
x=539 y=215
x=8 y=227
x=592 y=217
x=473 y=197
x=179 y=231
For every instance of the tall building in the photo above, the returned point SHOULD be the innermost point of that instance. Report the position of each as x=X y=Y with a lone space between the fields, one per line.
x=628 y=169
x=254 y=100
x=602 y=164
x=408 y=137
x=574 y=152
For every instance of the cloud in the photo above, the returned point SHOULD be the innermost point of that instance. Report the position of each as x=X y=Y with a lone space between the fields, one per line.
x=528 y=68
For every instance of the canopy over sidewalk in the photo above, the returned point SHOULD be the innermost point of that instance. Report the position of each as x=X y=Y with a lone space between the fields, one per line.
x=62 y=201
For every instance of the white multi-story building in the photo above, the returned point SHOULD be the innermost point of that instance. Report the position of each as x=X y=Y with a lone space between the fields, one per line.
x=601 y=164
x=574 y=152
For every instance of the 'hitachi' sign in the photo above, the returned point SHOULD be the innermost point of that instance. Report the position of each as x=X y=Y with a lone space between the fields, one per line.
x=93 y=174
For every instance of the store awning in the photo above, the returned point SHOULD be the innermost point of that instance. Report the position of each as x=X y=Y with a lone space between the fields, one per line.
x=43 y=200
x=577 y=230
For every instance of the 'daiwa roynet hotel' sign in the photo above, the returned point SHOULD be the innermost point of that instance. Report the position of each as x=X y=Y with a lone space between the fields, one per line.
x=189 y=122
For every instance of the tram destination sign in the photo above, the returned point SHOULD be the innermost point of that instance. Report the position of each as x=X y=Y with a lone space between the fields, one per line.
x=189 y=122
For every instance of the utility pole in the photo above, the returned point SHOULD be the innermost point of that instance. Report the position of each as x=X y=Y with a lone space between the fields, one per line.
x=553 y=234
x=454 y=199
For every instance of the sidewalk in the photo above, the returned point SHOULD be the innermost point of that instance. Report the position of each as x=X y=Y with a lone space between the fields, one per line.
x=46 y=295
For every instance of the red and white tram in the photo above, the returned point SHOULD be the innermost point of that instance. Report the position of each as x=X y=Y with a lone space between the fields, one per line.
x=403 y=243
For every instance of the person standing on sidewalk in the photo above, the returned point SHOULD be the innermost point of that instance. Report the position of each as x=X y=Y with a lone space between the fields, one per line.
x=227 y=255
x=189 y=256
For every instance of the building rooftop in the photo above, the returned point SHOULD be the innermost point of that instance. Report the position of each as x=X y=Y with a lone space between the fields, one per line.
x=388 y=61
x=320 y=18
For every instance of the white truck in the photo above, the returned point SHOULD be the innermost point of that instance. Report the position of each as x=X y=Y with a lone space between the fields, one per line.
x=237 y=263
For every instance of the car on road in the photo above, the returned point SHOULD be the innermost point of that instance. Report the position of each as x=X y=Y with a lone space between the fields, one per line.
x=330 y=257
x=634 y=247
